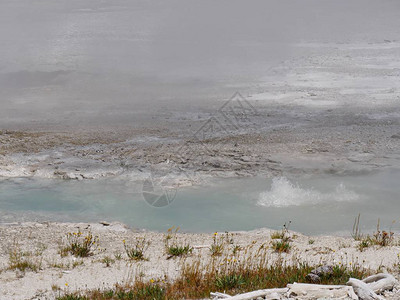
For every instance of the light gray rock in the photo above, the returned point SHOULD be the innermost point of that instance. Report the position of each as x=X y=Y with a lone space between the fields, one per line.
x=325 y=270
x=313 y=278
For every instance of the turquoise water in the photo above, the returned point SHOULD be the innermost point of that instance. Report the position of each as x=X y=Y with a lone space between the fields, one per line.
x=315 y=205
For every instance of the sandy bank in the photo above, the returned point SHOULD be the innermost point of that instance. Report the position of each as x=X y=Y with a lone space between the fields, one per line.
x=40 y=243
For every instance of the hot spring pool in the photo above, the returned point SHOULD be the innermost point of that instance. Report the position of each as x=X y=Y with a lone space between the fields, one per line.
x=316 y=205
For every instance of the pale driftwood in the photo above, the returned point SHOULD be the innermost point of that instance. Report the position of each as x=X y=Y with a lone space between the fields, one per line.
x=273 y=296
x=219 y=295
x=321 y=291
x=363 y=291
x=381 y=282
x=356 y=289
x=259 y=293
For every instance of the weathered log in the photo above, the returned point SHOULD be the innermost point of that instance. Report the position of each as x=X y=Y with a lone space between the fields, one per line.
x=259 y=293
x=273 y=296
x=363 y=291
x=321 y=291
x=381 y=282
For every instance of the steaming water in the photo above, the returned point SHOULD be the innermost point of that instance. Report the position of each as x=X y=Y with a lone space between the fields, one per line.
x=84 y=62
x=284 y=193
x=314 y=205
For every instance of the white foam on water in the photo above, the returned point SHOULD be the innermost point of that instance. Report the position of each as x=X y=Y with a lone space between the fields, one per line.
x=284 y=193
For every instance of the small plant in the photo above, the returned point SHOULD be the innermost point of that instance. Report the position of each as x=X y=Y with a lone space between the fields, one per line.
x=277 y=235
x=108 y=261
x=382 y=238
x=63 y=251
x=117 y=255
x=229 y=281
x=229 y=238
x=364 y=243
x=217 y=246
x=396 y=265
x=281 y=239
x=311 y=241
x=236 y=249
x=80 y=245
x=21 y=261
x=281 y=246
x=179 y=250
x=77 y=263
x=55 y=288
x=173 y=247
x=282 y=234
x=58 y=265
x=136 y=252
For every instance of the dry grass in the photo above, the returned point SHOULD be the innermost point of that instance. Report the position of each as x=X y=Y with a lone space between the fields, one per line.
x=356 y=233
x=251 y=269
x=23 y=261
x=194 y=284
x=379 y=238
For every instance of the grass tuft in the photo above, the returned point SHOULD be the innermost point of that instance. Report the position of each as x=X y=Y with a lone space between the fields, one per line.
x=281 y=246
x=281 y=239
x=173 y=247
x=379 y=237
x=229 y=282
x=79 y=245
x=108 y=261
x=136 y=252
x=364 y=243
x=23 y=261
x=217 y=246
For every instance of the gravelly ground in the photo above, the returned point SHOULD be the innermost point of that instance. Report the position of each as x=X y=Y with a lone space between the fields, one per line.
x=41 y=242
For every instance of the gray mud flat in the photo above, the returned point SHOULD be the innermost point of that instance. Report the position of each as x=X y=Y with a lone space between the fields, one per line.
x=319 y=145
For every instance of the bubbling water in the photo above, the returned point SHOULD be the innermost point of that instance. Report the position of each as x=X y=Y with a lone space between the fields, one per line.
x=284 y=193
